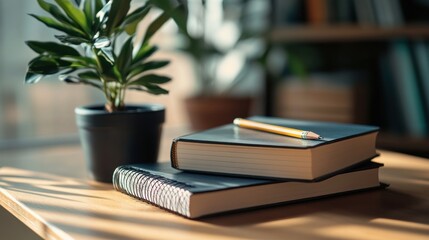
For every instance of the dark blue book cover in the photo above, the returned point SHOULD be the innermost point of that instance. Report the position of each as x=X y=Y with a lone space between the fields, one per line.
x=231 y=134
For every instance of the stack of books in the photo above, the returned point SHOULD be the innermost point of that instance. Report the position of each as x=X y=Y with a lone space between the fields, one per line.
x=231 y=168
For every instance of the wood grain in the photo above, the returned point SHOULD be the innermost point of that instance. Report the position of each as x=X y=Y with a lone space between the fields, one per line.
x=58 y=207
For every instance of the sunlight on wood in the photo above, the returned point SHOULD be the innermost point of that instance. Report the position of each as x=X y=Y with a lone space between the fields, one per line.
x=56 y=207
x=404 y=230
x=393 y=223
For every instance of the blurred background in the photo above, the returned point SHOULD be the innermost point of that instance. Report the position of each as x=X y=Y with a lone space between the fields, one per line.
x=356 y=61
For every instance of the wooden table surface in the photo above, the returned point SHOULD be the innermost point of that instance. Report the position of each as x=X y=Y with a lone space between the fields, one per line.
x=47 y=190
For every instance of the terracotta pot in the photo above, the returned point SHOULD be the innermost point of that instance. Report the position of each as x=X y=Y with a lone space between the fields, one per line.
x=113 y=139
x=211 y=111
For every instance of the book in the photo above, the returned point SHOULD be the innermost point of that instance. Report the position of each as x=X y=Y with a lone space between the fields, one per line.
x=365 y=13
x=317 y=12
x=345 y=11
x=421 y=51
x=289 y=12
x=406 y=82
x=388 y=13
x=196 y=195
x=229 y=149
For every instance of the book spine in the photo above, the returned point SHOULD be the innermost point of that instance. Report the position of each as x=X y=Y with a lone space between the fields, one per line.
x=421 y=51
x=365 y=13
x=173 y=154
x=317 y=12
x=160 y=191
x=409 y=93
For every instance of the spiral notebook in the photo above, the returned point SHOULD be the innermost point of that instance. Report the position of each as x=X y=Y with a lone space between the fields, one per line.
x=194 y=195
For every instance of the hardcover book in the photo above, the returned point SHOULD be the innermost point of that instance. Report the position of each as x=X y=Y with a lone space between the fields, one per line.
x=195 y=195
x=233 y=150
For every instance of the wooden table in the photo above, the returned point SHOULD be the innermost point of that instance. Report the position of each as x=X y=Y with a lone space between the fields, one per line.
x=45 y=188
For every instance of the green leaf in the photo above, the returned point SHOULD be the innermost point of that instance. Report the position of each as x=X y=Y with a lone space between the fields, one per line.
x=156 y=25
x=105 y=62
x=69 y=79
x=102 y=42
x=102 y=14
x=63 y=63
x=75 y=14
x=98 y=5
x=81 y=62
x=59 y=26
x=56 y=12
x=78 y=65
x=144 y=52
x=146 y=67
x=117 y=14
x=32 y=77
x=88 y=11
x=106 y=67
x=85 y=61
x=149 y=83
x=68 y=70
x=125 y=57
x=77 y=80
x=107 y=54
x=43 y=65
x=155 y=64
x=89 y=75
x=150 y=88
x=117 y=74
x=177 y=12
x=152 y=79
x=52 y=48
x=166 y=6
x=71 y=40
x=157 y=90
x=180 y=19
x=133 y=19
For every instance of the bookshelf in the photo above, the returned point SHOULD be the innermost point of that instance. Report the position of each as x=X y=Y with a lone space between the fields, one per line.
x=385 y=42
x=345 y=33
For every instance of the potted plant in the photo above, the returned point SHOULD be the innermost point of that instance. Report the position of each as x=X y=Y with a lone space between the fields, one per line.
x=97 y=47
x=226 y=48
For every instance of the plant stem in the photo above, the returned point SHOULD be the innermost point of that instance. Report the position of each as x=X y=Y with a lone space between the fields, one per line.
x=110 y=104
x=122 y=96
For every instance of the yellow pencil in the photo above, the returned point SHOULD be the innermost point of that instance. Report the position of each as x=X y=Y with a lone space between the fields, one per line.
x=291 y=132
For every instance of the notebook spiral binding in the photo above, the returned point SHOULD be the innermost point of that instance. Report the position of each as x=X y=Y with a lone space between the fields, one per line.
x=158 y=190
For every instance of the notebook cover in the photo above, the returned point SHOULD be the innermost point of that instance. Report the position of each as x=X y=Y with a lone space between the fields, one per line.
x=231 y=134
x=198 y=183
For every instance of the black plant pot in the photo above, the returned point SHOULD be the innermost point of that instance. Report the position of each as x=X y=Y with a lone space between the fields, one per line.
x=113 y=139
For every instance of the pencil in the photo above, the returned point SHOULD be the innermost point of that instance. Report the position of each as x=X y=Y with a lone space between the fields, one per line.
x=291 y=132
